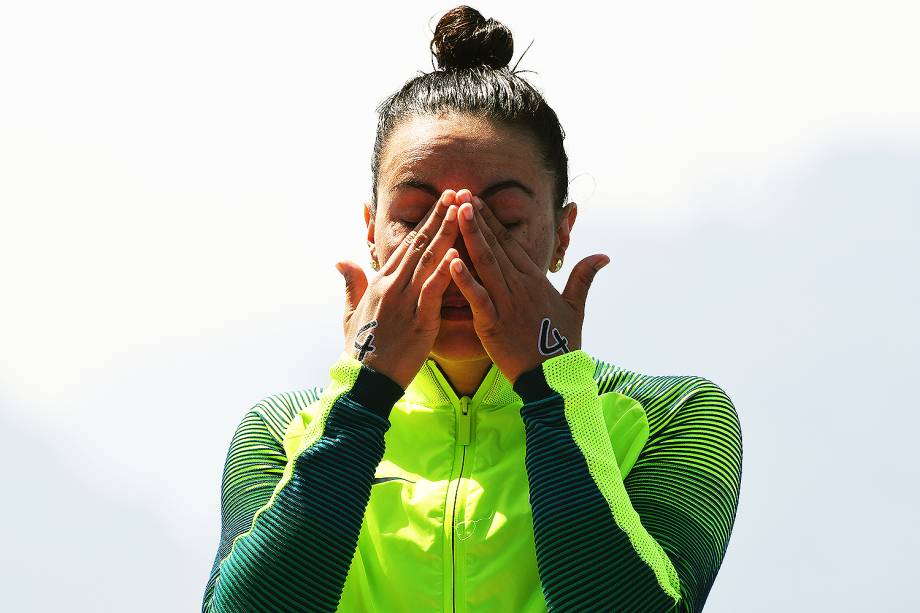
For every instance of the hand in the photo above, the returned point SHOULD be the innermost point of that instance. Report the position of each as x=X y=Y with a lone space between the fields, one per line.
x=518 y=315
x=391 y=324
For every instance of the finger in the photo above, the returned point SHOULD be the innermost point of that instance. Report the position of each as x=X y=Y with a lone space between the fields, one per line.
x=476 y=294
x=431 y=258
x=396 y=255
x=484 y=259
x=424 y=234
x=431 y=295
x=395 y=258
x=513 y=249
x=580 y=279
x=495 y=242
x=355 y=284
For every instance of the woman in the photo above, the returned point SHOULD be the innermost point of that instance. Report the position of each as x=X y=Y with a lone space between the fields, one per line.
x=467 y=454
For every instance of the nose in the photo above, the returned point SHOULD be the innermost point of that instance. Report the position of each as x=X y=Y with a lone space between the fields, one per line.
x=464 y=255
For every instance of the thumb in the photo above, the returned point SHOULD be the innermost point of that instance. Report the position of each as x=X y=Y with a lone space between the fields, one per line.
x=580 y=279
x=355 y=284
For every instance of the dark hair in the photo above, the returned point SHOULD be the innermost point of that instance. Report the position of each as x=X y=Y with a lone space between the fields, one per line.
x=473 y=77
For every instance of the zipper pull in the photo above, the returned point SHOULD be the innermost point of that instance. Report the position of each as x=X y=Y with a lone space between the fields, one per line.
x=463 y=422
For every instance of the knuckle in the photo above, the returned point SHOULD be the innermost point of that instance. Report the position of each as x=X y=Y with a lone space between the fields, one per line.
x=427 y=257
x=487 y=258
x=504 y=236
x=421 y=240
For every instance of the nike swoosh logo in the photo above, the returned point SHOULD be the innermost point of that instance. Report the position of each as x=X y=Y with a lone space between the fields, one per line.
x=385 y=479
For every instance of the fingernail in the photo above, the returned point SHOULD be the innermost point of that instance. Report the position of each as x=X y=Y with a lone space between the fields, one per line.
x=601 y=264
x=468 y=213
x=477 y=201
x=451 y=213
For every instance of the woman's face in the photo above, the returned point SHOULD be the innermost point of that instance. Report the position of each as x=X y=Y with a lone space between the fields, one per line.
x=426 y=155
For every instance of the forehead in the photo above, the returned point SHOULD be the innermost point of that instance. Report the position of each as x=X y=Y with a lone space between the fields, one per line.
x=456 y=151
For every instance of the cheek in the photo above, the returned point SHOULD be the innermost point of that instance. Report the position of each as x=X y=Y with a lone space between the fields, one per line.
x=387 y=239
x=537 y=240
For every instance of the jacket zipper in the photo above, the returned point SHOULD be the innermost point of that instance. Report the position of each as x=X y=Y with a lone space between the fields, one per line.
x=464 y=436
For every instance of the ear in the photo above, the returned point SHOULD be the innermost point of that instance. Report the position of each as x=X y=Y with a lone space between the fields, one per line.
x=369 y=220
x=563 y=229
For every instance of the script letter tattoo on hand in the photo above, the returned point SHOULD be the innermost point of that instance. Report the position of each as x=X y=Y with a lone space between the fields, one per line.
x=368 y=345
x=543 y=344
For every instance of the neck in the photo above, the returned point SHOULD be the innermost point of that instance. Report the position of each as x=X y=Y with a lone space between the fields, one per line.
x=464 y=376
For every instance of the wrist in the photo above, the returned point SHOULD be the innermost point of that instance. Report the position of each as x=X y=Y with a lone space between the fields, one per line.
x=531 y=385
x=372 y=389
x=565 y=374
x=376 y=391
x=387 y=366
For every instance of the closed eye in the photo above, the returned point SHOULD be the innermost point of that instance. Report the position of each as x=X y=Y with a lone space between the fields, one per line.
x=410 y=223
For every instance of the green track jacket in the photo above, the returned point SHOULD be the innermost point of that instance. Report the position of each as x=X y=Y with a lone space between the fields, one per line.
x=581 y=487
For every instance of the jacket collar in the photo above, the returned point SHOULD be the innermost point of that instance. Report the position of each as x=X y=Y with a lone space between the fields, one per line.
x=430 y=388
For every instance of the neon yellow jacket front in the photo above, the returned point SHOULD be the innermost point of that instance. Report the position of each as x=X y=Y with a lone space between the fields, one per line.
x=582 y=486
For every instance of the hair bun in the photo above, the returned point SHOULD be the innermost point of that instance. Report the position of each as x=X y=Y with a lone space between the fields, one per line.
x=464 y=38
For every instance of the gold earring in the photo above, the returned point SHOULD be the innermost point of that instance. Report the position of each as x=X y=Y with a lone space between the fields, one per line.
x=556 y=265
x=374 y=264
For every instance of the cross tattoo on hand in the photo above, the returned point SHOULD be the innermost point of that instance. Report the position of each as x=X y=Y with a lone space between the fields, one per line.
x=367 y=346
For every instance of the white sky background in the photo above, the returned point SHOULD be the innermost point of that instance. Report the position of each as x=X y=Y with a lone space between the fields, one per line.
x=177 y=180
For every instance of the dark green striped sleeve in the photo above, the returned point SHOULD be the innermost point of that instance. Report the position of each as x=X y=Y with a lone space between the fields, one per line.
x=653 y=543
x=296 y=552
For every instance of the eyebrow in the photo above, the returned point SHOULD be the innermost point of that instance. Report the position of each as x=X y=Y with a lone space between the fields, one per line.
x=489 y=191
